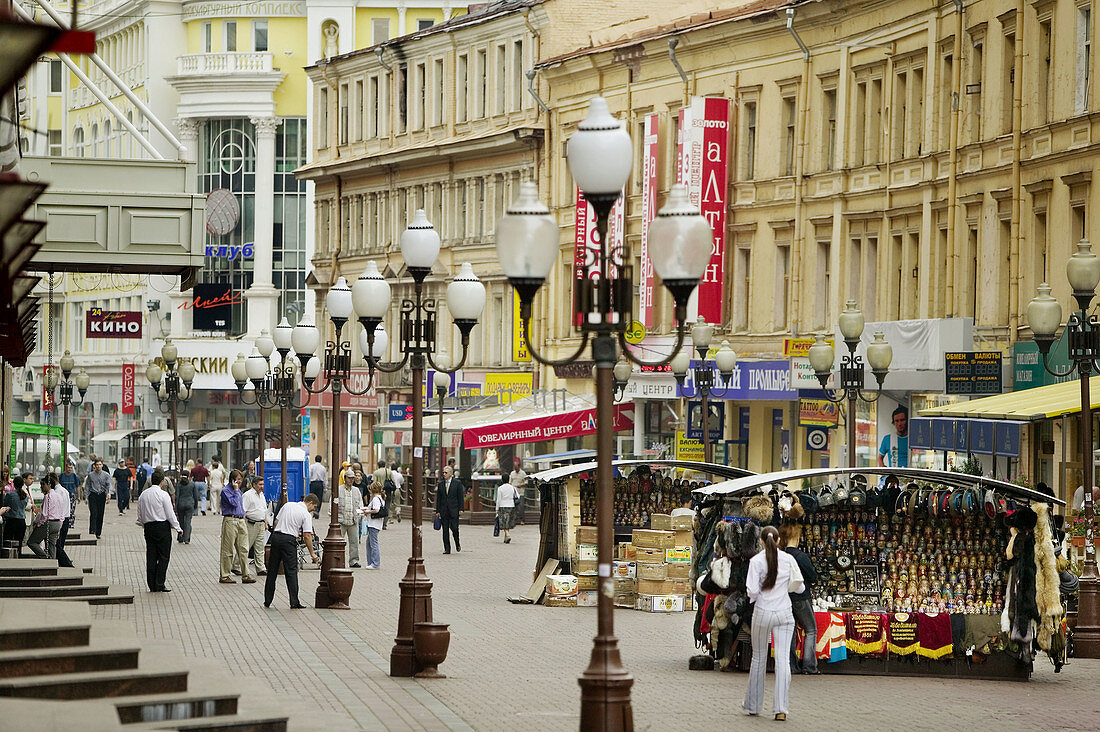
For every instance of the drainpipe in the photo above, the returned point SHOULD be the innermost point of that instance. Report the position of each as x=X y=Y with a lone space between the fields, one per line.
x=1014 y=279
x=672 y=44
x=531 y=74
x=799 y=175
x=953 y=164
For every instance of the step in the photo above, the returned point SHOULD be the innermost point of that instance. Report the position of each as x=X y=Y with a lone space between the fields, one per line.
x=36 y=714
x=81 y=541
x=234 y=723
x=183 y=705
x=98 y=656
x=42 y=624
x=115 y=595
x=95 y=685
x=64 y=576
x=24 y=567
x=91 y=585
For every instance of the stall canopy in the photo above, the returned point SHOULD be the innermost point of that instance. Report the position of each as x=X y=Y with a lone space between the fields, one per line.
x=223 y=435
x=160 y=436
x=1031 y=405
x=565 y=471
x=113 y=435
x=42 y=445
x=749 y=484
x=560 y=457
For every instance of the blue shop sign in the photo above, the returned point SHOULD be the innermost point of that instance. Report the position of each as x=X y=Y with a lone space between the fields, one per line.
x=920 y=433
x=982 y=432
x=943 y=434
x=962 y=435
x=751 y=380
x=1007 y=438
x=399 y=412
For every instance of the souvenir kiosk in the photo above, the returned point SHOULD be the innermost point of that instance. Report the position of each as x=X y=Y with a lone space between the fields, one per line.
x=915 y=569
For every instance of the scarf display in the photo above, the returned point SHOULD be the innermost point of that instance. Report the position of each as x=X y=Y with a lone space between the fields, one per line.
x=866 y=634
x=901 y=638
x=934 y=632
x=831 y=637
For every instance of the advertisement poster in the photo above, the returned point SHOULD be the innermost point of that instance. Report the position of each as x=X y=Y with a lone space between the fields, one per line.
x=48 y=403
x=100 y=323
x=586 y=245
x=818 y=413
x=540 y=429
x=650 y=142
x=127 y=388
x=520 y=354
x=688 y=449
x=509 y=386
x=212 y=306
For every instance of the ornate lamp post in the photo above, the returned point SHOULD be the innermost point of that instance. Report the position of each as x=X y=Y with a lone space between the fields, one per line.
x=172 y=385
x=465 y=300
x=702 y=374
x=442 y=382
x=1044 y=315
x=852 y=371
x=528 y=244
x=82 y=381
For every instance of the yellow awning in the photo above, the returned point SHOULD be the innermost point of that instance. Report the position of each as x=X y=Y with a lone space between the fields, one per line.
x=1042 y=402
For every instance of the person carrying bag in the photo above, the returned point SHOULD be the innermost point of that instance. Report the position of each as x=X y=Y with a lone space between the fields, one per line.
x=507 y=498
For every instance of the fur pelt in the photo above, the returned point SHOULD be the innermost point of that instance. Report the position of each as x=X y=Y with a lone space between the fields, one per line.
x=761 y=508
x=720 y=570
x=750 y=541
x=1048 y=598
x=1023 y=611
x=706 y=585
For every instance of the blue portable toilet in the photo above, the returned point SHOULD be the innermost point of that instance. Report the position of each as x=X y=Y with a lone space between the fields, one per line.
x=296 y=473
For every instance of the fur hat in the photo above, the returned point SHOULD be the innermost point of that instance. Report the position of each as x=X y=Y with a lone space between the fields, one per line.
x=1022 y=519
x=760 y=508
x=750 y=540
x=794 y=514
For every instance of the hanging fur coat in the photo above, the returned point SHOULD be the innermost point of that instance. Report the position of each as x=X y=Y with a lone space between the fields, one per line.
x=1048 y=598
x=1033 y=603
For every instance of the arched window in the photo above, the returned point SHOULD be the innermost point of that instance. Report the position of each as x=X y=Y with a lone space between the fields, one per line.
x=78 y=142
x=94 y=142
x=107 y=142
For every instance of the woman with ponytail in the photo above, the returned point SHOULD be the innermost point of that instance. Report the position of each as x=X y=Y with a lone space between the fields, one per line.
x=772 y=575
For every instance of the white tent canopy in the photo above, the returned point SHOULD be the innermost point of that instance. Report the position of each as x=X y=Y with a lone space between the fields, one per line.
x=113 y=435
x=223 y=435
x=160 y=436
x=41 y=444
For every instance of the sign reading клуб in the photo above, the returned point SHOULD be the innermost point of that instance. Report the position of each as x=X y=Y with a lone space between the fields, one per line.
x=972 y=372
x=100 y=323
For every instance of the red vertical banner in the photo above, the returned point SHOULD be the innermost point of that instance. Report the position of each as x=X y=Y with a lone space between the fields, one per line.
x=586 y=245
x=48 y=403
x=712 y=202
x=649 y=210
x=127 y=388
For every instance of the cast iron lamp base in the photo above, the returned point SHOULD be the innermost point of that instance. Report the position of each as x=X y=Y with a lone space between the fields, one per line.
x=415 y=607
x=605 y=689
x=1086 y=638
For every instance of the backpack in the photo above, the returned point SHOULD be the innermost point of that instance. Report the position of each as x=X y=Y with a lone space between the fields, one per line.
x=388 y=486
x=141 y=476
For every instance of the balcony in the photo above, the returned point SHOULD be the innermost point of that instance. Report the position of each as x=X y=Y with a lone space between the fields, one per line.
x=226 y=63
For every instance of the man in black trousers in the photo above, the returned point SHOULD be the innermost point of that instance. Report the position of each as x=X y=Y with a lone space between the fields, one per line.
x=449 y=497
x=158 y=518
x=293 y=519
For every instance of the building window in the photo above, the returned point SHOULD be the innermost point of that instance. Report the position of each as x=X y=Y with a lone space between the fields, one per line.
x=829 y=130
x=517 y=75
x=790 y=117
x=782 y=280
x=375 y=111
x=403 y=100
x=438 y=85
x=344 y=110
x=1045 y=77
x=1084 y=58
x=501 y=80
x=824 y=282
x=461 y=87
x=359 y=109
x=1008 y=74
x=859 y=124
x=974 y=90
x=55 y=147
x=419 y=91
x=379 y=30
x=947 y=100
x=482 y=85
x=748 y=154
x=915 y=143
x=78 y=142
x=56 y=78
x=742 y=278
x=901 y=119
x=873 y=144
x=259 y=35
x=424 y=24
x=855 y=267
x=322 y=117
x=207 y=37
x=230 y=31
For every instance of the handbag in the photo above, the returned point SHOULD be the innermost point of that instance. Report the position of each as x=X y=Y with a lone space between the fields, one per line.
x=438 y=523
x=496 y=525
x=381 y=513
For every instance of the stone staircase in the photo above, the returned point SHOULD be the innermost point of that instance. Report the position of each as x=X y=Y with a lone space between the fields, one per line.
x=58 y=671
x=43 y=579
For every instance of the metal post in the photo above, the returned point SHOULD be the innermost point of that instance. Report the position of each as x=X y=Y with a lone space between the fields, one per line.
x=64 y=434
x=263 y=440
x=334 y=548
x=175 y=436
x=851 y=428
x=605 y=684
x=282 y=454
x=1086 y=636
x=708 y=449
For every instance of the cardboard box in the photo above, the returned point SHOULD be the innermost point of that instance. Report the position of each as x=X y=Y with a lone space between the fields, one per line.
x=660 y=603
x=587 y=535
x=679 y=571
x=627 y=599
x=584 y=566
x=625 y=551
x=626 y=586
x=680 y=587
x=570 y=601
x=681 y=523
x=587 y=582
x=655 y=587
x=684 y=538
x=660 y=522
x=689 y=601
x=624 y=570
x=678 y=555
x=587 y=598
x=649 y=554
x=648 y=571
x=654 y=539
x=561 y=585
x=586 y=551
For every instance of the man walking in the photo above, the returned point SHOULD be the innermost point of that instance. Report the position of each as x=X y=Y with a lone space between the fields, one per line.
x=155 y=514
x=70 y=483
x=215 y=481
x=187 y=500
x=293 y=519
x=234 y=549
x=449 y=497
x=384 y=477
x=398 y=481
x=55 y=506
x=123 y=478
x=199 y=474
x=350 y=500
x=96 y=486
x=518 y=480
x=255 y=514
x=155 y=462
x=318 y=477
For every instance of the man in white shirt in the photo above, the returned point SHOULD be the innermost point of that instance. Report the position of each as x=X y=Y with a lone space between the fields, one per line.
x=255 y=515
x=215 y=481
x=293 y=518
x=155 y=460
x=318 y=477
x=55 y=505
x=158 y=518
x=399 y=481
x=350 y=502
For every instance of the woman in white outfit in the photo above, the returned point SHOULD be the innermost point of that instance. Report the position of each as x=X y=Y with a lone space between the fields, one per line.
x=772 y=575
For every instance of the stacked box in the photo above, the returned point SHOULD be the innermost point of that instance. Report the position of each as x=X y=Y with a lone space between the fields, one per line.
x=624 y=570
x=656 y=587
x=683 y=537
x=626 y=591
x=587 y=598
x=561 y=590
x=679 y=571
x=648 y=571
x=625 y=551
x=649 y=554
x=587 y=582
x=584 y=566
x=660 y=522
x=654 y=539
x=678 y=555
x=587 y=535
x=660 y=603
x=681 y=523
x=587 y=551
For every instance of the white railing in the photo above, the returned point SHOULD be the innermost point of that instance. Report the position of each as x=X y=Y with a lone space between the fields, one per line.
x=226 y=62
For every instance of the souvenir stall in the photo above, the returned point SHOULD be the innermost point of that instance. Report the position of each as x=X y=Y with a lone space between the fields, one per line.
x=921 y=572
x=653 y=547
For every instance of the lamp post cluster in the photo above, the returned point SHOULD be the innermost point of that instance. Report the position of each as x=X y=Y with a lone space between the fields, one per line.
x=1044 y=315
x=82 y=381
x=702 y=374
x=172 y=385
x=599 y=157
x=852 y=369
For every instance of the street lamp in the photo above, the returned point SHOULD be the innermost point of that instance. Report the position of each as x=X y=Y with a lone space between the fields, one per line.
x=599 y=156
x=442 y=382
x=172 y=386
x=465 y=300
x=275 y=388
x=702 y=374
x=82 y=381
x=1044 y=315
x=852 y=371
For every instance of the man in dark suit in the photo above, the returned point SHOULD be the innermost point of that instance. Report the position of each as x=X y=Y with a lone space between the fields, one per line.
x=449 y=497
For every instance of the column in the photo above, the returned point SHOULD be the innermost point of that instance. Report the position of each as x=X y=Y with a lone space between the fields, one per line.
x=262 y=295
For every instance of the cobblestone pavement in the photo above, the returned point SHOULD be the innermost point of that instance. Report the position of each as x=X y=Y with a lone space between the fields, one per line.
x=516 y=666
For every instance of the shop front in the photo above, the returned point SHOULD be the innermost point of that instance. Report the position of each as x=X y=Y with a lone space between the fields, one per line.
x=912 y=576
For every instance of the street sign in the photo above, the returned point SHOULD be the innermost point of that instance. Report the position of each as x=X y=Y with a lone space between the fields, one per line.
x=972 y=372
x=817 y=438
x=715 y=423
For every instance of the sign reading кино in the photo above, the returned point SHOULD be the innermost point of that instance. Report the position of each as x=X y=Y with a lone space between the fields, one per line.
x=100 y=323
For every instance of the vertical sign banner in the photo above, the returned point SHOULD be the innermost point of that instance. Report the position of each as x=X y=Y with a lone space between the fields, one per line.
x=519 y=345
x=649 y=210
x=703 y=152
x=48 y=403
x=586 y=245
x=127 y=388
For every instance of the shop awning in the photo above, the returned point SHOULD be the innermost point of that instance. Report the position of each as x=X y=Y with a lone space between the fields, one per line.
x=113 y=435
x=223 y=435
x=1042 y=402
x=566 y=471
x=553 y=457
x=553 y=426
x=160 y=436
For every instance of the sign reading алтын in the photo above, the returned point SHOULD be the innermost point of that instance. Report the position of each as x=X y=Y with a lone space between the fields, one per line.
x=101 y=323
